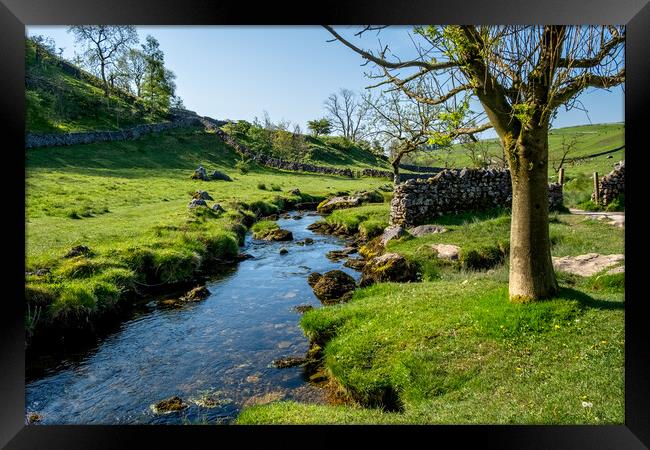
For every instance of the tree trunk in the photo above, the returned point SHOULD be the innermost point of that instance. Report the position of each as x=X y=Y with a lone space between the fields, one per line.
x=396 y=177
x=531 y=268
x=104 y=79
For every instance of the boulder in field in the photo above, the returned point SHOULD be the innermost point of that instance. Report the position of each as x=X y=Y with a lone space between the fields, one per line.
x=200 y=174
x=586 y=265
x=202 y=195
x=446 y=251
x=329 y=205
x=388 y=267
x=390 y=233
x=217 y=208
x=78 y=250
x=423 y=230
x=196 y=202
x=294 y=191
x=216 y=175
x=333 y=286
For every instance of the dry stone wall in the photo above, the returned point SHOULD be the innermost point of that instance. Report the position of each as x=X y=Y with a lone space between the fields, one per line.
x=611 y=185
x=417 y=201
x=34 y=140
x=273 y=162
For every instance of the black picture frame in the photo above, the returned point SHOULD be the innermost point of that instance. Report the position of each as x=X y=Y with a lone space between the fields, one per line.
x=16 y=14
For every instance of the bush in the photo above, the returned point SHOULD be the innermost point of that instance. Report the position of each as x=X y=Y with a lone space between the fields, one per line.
x=261 y=186
x=243 y=167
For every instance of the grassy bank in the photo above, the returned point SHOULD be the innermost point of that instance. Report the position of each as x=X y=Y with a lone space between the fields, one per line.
x=58 y=102
x=127 y=202
x=440 y=350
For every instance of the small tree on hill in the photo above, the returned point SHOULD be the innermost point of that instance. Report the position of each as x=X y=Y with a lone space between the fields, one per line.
x=320 y=126
x=104 y=44
x=158 y=85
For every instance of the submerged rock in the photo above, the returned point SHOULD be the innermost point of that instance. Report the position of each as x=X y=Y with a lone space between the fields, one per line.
x=297 y=217
x=303 y=308
x=77 y=251
x=244 y=256
x=388 y=267
x=308 y=241
x=333 y=285
x=289 y=361
x=337 y=255
x=169 y=405
x=284 y=251
x=276 y=234
x=355 y=263
x=198 y=293
x=313 y=278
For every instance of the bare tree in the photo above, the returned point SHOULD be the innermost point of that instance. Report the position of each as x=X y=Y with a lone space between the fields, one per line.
x=568 y=146
x=347 y=114
x=104 y=44
x=520 y=75
x=401 y=124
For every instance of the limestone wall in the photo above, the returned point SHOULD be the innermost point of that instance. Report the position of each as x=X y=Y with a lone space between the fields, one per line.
x=611 y=185
x=34 y=140
x=417 y=201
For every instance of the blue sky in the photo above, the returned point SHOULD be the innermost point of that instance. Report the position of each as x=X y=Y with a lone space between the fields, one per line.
x=237 y=72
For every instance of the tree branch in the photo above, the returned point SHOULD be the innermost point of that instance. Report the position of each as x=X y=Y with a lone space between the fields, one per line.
x=387 y=64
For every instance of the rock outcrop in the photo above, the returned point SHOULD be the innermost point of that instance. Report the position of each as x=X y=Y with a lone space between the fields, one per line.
x=388 y=267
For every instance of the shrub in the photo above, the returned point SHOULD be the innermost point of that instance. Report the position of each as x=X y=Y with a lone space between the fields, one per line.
x=242 y=166
x=261 y=186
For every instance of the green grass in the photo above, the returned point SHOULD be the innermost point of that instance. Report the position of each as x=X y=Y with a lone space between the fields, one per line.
x=57 y=102
x=442 y=351
x=369 y=220
x=329 y=151
x=484 y=240
x=128 y=201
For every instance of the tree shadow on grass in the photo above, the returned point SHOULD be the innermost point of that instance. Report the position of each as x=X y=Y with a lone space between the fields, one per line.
x=587 y=301
x=470 y=216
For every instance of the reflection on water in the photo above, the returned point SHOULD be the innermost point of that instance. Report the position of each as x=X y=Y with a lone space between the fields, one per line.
x=215 y=354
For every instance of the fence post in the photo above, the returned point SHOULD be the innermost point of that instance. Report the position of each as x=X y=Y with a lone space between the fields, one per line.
x=596 y=188
x=560 y=176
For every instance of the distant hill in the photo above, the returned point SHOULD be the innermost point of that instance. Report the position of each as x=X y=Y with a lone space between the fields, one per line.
x=589 y=140
x=63 y=98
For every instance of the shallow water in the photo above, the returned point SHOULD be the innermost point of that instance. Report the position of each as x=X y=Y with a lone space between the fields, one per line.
x=221 y=347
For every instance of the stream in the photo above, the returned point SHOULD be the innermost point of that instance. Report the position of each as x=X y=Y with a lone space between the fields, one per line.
x=219 y=349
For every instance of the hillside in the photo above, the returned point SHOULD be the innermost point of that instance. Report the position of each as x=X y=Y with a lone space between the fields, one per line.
x=62 y=98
